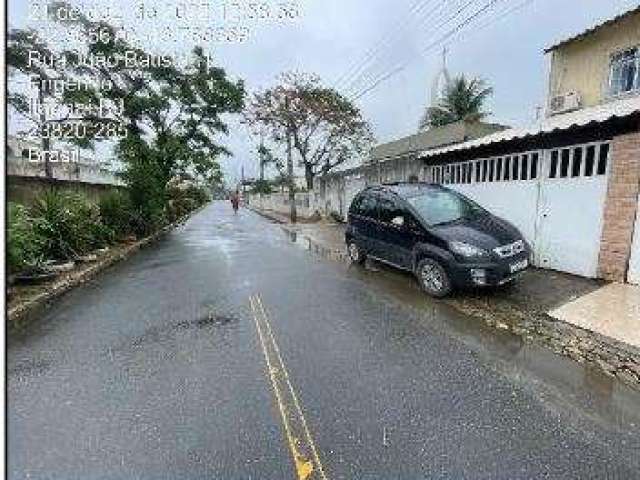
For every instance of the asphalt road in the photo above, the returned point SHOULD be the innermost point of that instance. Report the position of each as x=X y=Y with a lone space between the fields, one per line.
x=227 y=351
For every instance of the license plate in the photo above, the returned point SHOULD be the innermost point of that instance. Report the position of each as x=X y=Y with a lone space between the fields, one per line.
x=518 y=266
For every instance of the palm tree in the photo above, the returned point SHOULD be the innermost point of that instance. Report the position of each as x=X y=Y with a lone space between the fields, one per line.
x=462 y=100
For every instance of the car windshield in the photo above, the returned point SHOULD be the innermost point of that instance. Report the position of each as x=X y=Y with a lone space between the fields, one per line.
x=437 y=207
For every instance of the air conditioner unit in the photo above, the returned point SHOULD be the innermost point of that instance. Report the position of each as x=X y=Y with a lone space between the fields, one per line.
x=565 y=103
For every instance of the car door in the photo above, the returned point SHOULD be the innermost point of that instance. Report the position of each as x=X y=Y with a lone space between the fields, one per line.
x=394 y=236
x=364 y=221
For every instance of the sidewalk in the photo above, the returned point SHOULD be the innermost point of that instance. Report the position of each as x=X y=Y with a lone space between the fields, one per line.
x=586 y=320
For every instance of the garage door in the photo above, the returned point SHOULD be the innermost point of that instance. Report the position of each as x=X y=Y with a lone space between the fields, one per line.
x=634 y=264
x=571 y=208
x=555 y=197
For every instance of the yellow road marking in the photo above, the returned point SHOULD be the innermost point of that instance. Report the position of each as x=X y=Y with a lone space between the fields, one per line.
x=303 y=449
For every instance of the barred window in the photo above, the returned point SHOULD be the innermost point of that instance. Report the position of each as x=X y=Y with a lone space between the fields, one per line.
x=624 y=72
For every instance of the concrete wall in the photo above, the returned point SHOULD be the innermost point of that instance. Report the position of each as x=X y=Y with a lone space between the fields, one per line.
x=25 y=190
x=26 y=180
x=279 y=203
x=83 y=172
x=335 y=192
x=583 y=65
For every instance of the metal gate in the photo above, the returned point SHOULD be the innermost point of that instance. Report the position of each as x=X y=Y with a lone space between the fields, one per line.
x=634 y=264
x=555 y=197
x=573 y=187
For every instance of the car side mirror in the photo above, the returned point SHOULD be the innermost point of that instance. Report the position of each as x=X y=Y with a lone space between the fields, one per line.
x=398 y=221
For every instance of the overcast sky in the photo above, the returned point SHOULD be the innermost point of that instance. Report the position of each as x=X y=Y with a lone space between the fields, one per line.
x=333 y=35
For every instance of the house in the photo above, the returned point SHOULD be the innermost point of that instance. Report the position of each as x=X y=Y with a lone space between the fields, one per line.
x=392 y=161
x=398 y=159
x=596 y=66
x=570 y=182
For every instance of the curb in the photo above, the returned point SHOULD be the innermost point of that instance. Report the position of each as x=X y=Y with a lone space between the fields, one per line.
x=21 y=312
x=266 y=215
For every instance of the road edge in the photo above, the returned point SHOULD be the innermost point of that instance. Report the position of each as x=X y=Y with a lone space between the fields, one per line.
x=609 y=356
x=23 y=311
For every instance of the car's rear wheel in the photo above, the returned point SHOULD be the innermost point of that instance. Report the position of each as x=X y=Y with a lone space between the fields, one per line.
x=356 y=255
x=433 y=278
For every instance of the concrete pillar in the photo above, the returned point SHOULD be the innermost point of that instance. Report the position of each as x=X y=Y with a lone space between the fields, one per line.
x=620 y=207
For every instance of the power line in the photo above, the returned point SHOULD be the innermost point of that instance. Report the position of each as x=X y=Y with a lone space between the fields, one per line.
x=372 y=50
x=505 y=13
x=368 y=70
x=356 y=68
x=429 y=47
x=444 y=21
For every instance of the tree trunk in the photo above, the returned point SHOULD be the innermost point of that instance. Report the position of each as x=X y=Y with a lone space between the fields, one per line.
x=261 y=159
x=291 y=181
x=308 y=175
x=46 y=142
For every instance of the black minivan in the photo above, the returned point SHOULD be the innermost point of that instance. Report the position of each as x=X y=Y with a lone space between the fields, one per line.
x=444 y=238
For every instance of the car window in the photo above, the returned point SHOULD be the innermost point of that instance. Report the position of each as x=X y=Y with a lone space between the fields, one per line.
x=443 y=206
x=355 y=205
x=389 y=208
x=366 y=205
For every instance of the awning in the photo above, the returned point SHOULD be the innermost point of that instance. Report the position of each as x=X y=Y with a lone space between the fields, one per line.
x=586 y=116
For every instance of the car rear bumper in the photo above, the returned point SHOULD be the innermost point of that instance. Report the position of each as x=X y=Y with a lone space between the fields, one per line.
x=487 y=274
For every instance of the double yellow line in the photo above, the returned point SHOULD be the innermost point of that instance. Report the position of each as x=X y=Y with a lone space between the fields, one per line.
x=303 y=449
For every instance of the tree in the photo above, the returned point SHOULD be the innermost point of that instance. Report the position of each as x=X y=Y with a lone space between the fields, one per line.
x=324 y=128
x=167 y=117
x=462 y=100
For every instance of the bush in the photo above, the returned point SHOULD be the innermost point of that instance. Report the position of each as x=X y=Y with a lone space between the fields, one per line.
x=117 y=214
x=69 y=225
x=24 y=244
x=184 y=197
x=147 y=193
x=262 y=186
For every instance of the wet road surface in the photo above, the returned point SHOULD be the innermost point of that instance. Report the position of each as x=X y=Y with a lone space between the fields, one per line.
x=227 y=351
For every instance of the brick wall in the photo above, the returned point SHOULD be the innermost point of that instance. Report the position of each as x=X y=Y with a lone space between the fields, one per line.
x=620 y=207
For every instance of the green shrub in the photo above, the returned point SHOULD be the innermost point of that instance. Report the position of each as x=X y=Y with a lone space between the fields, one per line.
x=117 y=214
x=69 y=224
x=183 y=198
x=262 y=186
x=24 y=244
x=147 y=193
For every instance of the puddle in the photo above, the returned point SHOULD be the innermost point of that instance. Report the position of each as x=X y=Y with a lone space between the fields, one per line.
x=316 y=248
x=568 y=385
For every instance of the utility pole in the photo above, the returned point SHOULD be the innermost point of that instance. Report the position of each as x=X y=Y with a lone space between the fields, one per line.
x=290 y=178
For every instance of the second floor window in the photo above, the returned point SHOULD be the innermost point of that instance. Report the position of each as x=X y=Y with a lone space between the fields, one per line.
x=625 y=72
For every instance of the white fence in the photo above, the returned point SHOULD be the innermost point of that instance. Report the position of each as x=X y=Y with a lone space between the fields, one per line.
x=555 y=197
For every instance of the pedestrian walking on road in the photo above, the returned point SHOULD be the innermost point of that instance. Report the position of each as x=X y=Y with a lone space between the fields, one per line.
x=235 y=201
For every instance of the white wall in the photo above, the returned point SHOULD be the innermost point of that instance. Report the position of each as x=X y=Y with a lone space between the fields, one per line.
x=516 y=202
x=279 y=203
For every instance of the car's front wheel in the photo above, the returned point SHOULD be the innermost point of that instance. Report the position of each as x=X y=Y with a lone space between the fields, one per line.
x=433 y=278
x=356 y=255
